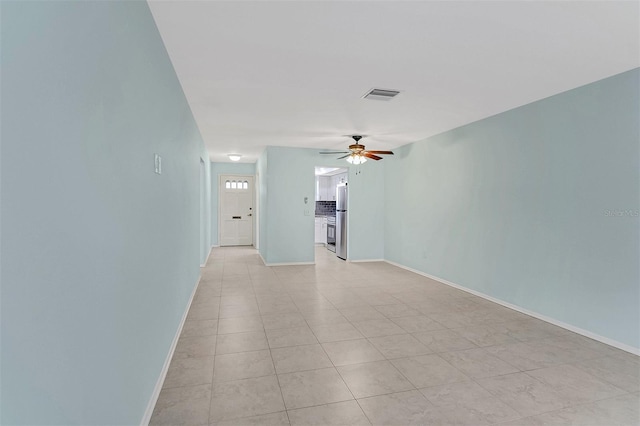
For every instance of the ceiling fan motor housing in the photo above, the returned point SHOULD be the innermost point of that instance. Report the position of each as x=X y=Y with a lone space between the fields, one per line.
x=356 y=148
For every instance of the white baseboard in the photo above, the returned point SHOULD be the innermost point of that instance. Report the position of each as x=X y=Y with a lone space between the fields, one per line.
x=289 y=263
x=285 y=263
x=206 y=259
x=586 y=333
x=365 y=260
x=163 y=373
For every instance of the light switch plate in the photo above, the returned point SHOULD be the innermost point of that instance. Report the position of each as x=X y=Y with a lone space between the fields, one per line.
x=158 y=164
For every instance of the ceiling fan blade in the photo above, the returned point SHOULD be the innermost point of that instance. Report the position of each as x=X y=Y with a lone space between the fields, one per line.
x=334 y=152
x=381 y=152
x=344 y=156
x=368 y=154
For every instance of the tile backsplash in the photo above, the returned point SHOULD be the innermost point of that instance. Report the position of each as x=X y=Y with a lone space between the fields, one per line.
x=326 y=208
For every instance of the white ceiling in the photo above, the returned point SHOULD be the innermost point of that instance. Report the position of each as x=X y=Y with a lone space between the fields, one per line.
x=292 y=73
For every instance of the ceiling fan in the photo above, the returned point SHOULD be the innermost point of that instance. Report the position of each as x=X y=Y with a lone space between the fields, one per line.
x=357 y=154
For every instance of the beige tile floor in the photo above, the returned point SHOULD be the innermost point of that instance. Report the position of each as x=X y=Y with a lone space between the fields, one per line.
x=369 y=343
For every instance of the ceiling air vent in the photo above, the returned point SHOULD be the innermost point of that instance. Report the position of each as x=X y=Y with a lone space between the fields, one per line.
x=381 y=94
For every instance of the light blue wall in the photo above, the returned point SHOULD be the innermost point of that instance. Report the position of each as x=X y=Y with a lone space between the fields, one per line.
x=218 y=169
x=287 y=235
x=290 y=178
x=261 y=210
x=366 y=210
x=99 y=253
x=516 y=207
x=206 y=206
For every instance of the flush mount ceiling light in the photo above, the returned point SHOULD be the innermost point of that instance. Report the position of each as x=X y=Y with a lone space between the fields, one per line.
x=381 y=94
x=234 y=157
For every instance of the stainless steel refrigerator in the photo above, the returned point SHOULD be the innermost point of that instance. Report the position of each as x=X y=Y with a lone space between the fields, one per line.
x=341 y=221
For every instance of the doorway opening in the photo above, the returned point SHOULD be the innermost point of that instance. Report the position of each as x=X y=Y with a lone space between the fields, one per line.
x=327 y=180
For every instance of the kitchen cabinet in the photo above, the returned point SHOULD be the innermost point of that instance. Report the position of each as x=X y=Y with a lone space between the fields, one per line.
x=331 y=189
x=323 y=237
x=335 y=181
x=321 y=191
x=321 y=230
x=324 y=189
x=317 y=188
x=326 y=186
x=318 y=229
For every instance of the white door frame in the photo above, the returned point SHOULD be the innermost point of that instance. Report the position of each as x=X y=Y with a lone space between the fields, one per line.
x=256 y=204
x=204 y=253
x=253 y=216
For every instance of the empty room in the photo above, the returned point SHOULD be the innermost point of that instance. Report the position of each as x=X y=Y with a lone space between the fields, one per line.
x=319 y=212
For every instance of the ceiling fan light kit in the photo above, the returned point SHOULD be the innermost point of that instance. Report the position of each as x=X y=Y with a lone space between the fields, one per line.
x=357 y=153
x=356 y=159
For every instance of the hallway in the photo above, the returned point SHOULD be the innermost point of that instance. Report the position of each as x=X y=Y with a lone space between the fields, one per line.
x=370 y=343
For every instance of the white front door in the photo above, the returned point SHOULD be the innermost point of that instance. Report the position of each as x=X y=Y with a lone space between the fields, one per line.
x=236 y=210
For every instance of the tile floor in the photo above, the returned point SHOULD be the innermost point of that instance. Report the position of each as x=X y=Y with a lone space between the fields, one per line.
x=368 y=343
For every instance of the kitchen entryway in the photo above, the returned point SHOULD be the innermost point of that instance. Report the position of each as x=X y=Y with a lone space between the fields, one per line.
x=327 y=180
